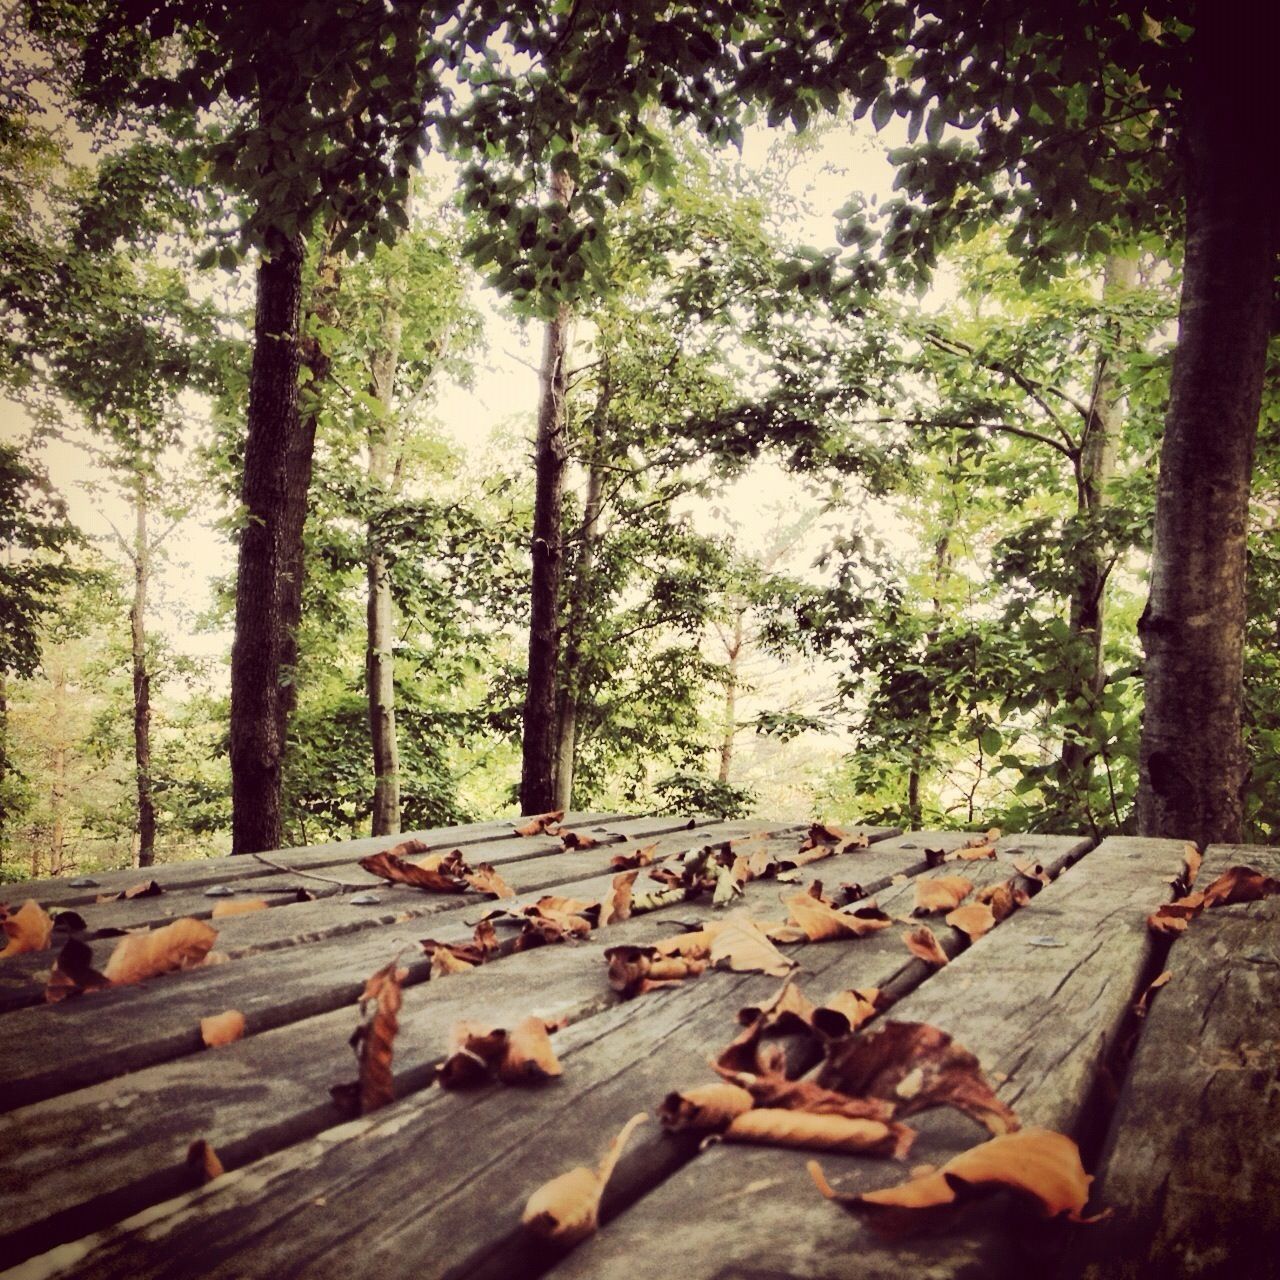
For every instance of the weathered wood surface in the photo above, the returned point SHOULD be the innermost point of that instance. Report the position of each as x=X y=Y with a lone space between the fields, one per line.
x=1040 y=1000
x=615 y=1063
x=311 y=969
x=1191 y=1166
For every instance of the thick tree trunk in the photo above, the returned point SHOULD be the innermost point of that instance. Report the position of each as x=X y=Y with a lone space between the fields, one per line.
x=537 y=774
x=730 y=713
x=379 y=652
x=146 y=826
x=271 y=465
x=1096 y=469
x=579 y=608
x=1192 y=760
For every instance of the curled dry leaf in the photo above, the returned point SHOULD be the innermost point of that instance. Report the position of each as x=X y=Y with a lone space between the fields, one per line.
x=940 y=893
x=397 y=870
x=1003 y=898
x=631 y=861
x=813 y=1132
x=743 y=946
x=1030 y=868
x=203 y=1162
x=916 y=1067
x=1043 y=1167
x=536 y=826
x=707 y=1109
x=239 y=908
x=616 y=904
x=146 y=889
x=1184 y=881
x=567 y=1209
x=529 y=1056
x=1140 y=1009
x=373 y=1041
x=484 y=879
x=27 y=929
x=73 y=973
x=789 y=1013
x=774 y=1089
x=575 y=840
x=1240 y=884
x=475 y=1050
x=934 y=858
x=222 y=1028
x=975 y=919
x=972 y=853
x=845 y=1011
x=1173 y=917
x=446 y=959
x=139 y=956
x=923 y=943
x=822 y=923
x=633 y=970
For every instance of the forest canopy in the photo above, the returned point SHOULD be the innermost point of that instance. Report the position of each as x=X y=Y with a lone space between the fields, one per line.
x=889 y=426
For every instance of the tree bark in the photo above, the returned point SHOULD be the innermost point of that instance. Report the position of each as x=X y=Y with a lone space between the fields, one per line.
x=1192 y=761
x=537 y=774
x=57 y=783
x=146 y=826
x=730 y=732
x=272 y=461
x=379 y=653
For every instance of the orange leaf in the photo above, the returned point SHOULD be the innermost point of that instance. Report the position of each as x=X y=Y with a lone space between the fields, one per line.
x=772 y=1089
x=395 y=869
x=446 y=959
x=820 y=1132
x=537 y=825
x=822 y=923
x=1173 y=917
x=1031 y=869
x=572 y=840
x=975 y=919
x=240 y=908
x=706 y=1109
x=567 y=1209
x=484 y=879
x=846 y=1011
x=630 y=861
x=616 y=905
x=633 y=971
x=203 y=1161
x=373 y=1042
x=789 y=1013
x=28 y=929
x=222 y=1028
x=146 y=889
x=1240 y=884
x=529 y=1056
x=1186 y=878
x=139 y=956
x=73 y=973
x=974 y=853
x=916 y=1067
x=741 y=945
x=1003 y=898
x=475 y=1050
x=923 y=942
x=1140 y=1009
x=1042 y=1166
x=940 y=893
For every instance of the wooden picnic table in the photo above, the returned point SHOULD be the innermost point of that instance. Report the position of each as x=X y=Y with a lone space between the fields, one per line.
x=1177 y=1112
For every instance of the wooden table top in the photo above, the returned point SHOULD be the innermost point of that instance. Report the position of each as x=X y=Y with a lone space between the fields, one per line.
x=1176 y=1112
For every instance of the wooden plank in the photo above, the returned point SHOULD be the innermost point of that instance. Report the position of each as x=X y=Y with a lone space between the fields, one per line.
x=61 y=892
x=468 y=1223
x=527 y=864
x=123 y=1030
x=1191 y=1164
x=1040 y=1017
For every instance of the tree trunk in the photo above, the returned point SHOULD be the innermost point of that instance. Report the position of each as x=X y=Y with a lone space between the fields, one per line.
x=57 y=783
x=537 y=775
x=271 y=464
x=379 y=653
x=579 y=607
x=1192 y=760
x=730 y=731
x=1096 y=469
x=146 y=826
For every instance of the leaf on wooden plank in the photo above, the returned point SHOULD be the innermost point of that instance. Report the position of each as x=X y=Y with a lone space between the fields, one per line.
x=650 y=899
x=916 y=1067
x=776 y=1127
x=940 y=893
x=1185 y=880
x=566 y=1210
x=146 y=889
x=615 y=906
x=446 y=959
x=851 y=893
x=73 y=973
x=706 y=1109
x=1030 y=868
x=972 y=853
x=540 y=824
x=484 y=879
x=1003 y=898
x=27 y=929
x=69 y=922
x=745 y=948
x=728 y=883
x=567 y=917
x=774 y=1089
x=821 y=833
x=475 y=1050
x=693 y=945
x=222 y=1028
x=238 y=908
x=759 y=861
x=633 y=970
x=139 y=956
x=203 y=1162
x=975 y=919
x=529 y=1057
x=1240 y=884
x=923 y=943
x=990 y=836
x=373 y=1041
x=1041 y=1166
x=1140 y=1009
x=1173 y=917
x=934 y=858
x=846 y=1011
x=789 y=1013
x=630 y=861
x=576 y=840
x=822 y=923
x=397 y=870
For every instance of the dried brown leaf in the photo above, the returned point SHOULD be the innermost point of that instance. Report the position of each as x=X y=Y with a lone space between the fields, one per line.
x=575 y=840
x=616 y=904
x=774 y=1089
x=706 y=1109
x=1240 y=884
x=239 y=908
x=822 y=923
x=743 y=946
x=567 y=1209
x=139 y=956
x=631 y=861
x=940 y=893
x=484 y=879
x=1030 y=868
x=1003 y=898
x=972 y=853
x=538 y=825
x=1140 y=1009
x=145 y=889
x=475 y=1051
x=203 y=1162
x=374 y=1039
x=529 y=1056
x=923 y=943
x=222 y=1028
x=846 y=1011
x=27 y=929
x=975 y=919
x=73 y=973
x=398 y=871
x=776 y=1127
x=789 y=1013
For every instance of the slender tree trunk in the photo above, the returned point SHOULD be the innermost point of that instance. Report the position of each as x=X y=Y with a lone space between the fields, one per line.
x=730 y=731
x=258 y=653
x=537 y=775
x=914 y=812
x=379 y=653
x=4 y=767
x=146 y=828
x=1192 y=762
x=1096 y=469
x=57 y=783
